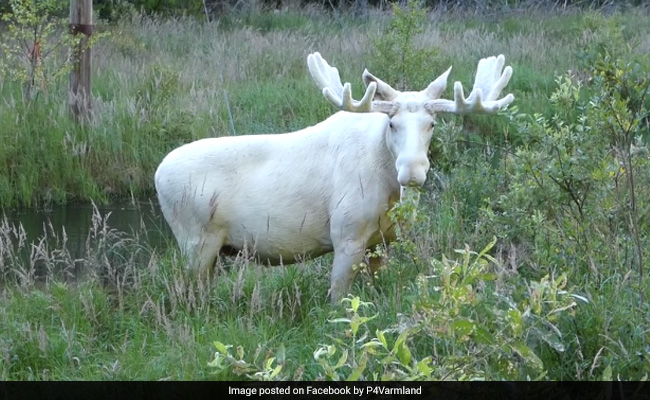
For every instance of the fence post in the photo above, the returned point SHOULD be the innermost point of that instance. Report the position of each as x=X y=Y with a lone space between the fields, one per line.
x=81 y=22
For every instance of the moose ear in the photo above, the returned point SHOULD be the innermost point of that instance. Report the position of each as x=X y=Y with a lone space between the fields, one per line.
x=384 y=91
x=437 y=87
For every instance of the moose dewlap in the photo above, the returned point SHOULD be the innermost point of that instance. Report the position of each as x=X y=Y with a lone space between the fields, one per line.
x=328 y=187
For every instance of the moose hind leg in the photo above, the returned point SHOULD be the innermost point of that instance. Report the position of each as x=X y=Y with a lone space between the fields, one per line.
x=203 y=253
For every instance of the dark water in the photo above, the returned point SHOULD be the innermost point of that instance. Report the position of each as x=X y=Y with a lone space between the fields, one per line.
x=140 y=219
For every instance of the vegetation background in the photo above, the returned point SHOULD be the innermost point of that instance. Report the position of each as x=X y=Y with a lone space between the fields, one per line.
x=526 y=259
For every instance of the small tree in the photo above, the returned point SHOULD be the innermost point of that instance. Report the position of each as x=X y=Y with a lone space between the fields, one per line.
x=35 y=45
x=398 y=59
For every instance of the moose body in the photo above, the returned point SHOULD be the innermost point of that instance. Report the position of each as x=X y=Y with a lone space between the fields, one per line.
x=263 y=193
x=328 y=187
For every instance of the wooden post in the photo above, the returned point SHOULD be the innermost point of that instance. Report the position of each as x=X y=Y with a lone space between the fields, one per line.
x=81 y=22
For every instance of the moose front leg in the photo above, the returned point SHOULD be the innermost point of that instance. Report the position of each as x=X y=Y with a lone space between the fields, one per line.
x=347 y=257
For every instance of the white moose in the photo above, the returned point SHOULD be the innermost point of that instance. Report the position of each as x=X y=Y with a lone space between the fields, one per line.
x=328 y=187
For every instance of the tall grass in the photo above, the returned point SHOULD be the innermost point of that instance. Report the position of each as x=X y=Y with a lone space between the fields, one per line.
x=123 y=310
x=158 y=83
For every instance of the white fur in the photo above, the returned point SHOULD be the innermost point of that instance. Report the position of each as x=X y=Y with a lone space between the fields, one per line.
x=289 y=196
x=286 y=196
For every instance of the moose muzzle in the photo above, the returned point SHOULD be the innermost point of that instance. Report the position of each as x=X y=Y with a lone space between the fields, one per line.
x=412 y=171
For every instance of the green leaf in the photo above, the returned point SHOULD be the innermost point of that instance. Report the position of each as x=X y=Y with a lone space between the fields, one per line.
x=553 y=339
x=389 y=359
x=488 y=247
x=487 y=277
x=217 y=362
x=372 y=344
x=342 y=360
x=463 y=327
x=363 y=320
x=382 y=338
x=515 y=320
x=482 y=335
x=404 y=354
x=276 y=371
x=424 y=366
x=527 y=354
x=356 y=373
x=400 y=339
x=355 y=303
x=324 y=350
x=607 y=374
x=221 y=348
x=354 y=325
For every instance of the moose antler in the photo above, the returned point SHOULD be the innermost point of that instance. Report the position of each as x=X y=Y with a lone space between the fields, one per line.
x=328 y=79
x=488 y=84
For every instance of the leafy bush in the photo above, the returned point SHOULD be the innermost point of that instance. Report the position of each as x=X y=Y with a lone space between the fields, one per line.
x=576 y=199
x=397 y=58
x=270 y=369
x=34 y=44
x=575 y=192
x=462 y=326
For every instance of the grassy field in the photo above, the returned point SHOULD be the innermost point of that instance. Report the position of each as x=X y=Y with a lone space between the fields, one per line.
x=159 y=83
x=526 y=260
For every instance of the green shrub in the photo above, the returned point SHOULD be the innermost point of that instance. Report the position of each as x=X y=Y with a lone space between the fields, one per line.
x=574 y=186
x=397 y=59
x=31 y=46
x=462 y=326
x=576 y=201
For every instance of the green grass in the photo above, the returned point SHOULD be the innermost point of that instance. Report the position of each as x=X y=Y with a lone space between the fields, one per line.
x=138 y=316
x=161 y=83
x=134 y=314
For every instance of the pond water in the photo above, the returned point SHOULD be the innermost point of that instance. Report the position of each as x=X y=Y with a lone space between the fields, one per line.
x=142 y=219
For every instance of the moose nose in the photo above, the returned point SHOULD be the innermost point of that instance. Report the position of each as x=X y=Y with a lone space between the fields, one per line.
x=412 y=173
x=413 y=178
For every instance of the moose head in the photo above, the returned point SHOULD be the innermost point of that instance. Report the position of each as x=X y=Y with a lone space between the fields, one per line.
x=412 y=114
